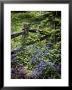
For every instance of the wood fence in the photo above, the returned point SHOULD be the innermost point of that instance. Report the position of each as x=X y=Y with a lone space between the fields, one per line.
x=35 y=72
x=23 y=32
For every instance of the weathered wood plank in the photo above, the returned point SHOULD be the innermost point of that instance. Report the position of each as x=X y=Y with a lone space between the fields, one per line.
x=15 y=34
x=36 y=30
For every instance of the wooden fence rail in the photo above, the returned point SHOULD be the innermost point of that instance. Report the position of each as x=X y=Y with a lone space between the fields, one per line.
x=16 y=34
x=23 y=32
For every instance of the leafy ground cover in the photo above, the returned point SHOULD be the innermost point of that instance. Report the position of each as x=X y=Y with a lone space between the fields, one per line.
x=40 y=57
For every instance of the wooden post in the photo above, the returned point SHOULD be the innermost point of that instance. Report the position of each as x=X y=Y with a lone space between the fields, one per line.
x=24 y=37
x=25 y=29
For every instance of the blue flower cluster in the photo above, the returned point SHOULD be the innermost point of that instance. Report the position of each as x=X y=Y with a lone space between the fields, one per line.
x=39 y=54
x=38 y=69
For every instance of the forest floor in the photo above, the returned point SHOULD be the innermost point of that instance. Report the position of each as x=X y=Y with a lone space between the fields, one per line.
x=40 y=57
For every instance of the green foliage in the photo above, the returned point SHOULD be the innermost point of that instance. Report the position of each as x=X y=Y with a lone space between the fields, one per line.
x=49 y=22
x=49 y=73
